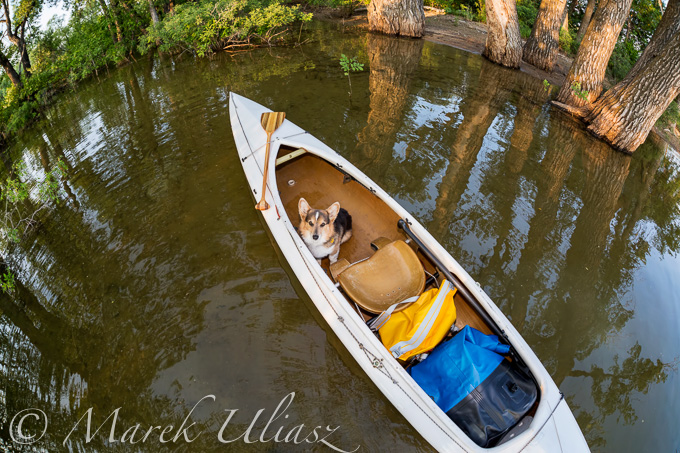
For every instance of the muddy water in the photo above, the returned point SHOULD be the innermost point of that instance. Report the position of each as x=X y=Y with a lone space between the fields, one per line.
x=154 y=289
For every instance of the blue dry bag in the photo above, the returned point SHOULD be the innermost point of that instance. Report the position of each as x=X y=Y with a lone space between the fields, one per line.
x=481 y=391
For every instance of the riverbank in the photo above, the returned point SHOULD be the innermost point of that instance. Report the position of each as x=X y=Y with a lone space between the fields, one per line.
x=470 y=36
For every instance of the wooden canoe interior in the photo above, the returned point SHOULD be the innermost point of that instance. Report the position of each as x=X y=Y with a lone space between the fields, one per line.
x=322 y=184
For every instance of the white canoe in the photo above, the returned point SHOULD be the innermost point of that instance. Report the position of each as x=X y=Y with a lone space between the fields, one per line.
x=553 y=427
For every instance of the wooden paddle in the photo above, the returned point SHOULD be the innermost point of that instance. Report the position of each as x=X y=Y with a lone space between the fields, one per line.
x=270 y=122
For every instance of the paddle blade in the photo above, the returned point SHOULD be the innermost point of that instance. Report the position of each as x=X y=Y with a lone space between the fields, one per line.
x=272 y=120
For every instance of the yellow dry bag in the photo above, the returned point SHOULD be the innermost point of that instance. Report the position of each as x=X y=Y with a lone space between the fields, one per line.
x=420 y=326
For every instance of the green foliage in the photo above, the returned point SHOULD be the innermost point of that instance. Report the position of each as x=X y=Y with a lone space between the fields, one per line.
x=527 y=10
x=347 y=6
x=480 y=7
x=464 y=12
x=207 y=26
x=578 y=92
x=7 y=282
x=622 y=60
x=670 y=117
x=88 y=46
x=473 y=10
x=645 y=15
x=568 y=41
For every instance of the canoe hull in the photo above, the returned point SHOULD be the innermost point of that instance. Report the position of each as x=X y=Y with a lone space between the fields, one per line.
x=365 y=348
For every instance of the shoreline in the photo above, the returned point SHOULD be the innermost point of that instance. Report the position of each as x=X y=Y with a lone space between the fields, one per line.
x=470 y=36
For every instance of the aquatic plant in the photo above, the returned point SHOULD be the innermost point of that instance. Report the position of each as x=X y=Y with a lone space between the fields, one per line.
x=349 y=65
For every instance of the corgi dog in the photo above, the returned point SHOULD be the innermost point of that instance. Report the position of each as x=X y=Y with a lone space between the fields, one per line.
x=324 y=230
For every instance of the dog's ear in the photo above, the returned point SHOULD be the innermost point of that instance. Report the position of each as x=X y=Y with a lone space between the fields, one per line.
x=303 y=209
x=333 y=211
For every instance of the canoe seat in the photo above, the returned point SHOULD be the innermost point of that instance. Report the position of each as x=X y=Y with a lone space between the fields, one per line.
x=393 y=273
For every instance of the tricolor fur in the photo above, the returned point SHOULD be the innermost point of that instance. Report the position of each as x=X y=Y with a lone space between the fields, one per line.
x=324 y=230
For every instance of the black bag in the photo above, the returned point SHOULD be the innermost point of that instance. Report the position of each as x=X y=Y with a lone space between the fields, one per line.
x=491 y=411
x=483 y=393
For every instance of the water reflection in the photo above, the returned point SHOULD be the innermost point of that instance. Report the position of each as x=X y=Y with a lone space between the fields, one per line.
x=393 y=63
x=153 y=283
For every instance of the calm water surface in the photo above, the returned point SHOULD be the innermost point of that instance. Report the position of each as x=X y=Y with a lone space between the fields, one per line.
x=153 y=283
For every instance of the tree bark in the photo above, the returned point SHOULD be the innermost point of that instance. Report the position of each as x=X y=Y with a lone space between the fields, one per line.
x=397 y=17
x=503 y=41
x=11 y=72
x=22 y=49
x=624 y=115
x=154 y=19
x=541 y=48
x=590 y=9
x=153 y=12
x=590 y=63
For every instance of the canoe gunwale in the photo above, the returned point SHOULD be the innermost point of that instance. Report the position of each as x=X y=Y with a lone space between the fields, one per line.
x=367 y=350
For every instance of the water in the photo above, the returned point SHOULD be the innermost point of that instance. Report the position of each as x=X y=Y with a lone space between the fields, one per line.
x=154 y=288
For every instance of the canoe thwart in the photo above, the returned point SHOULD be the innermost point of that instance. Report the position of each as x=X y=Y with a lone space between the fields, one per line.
x=290 y=156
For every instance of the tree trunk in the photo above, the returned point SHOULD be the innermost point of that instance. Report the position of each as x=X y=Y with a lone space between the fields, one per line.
x=154 y=19
x=11 y=72
x=624 y=115
x=590 y=63
x=397 y=17
x=541 y=48
x=25 y=61
x=22 y=49
x=154 y=13
x=590 y=9
x=503 y=42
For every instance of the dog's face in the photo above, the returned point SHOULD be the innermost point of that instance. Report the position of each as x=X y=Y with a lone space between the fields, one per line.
x=316 y=225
